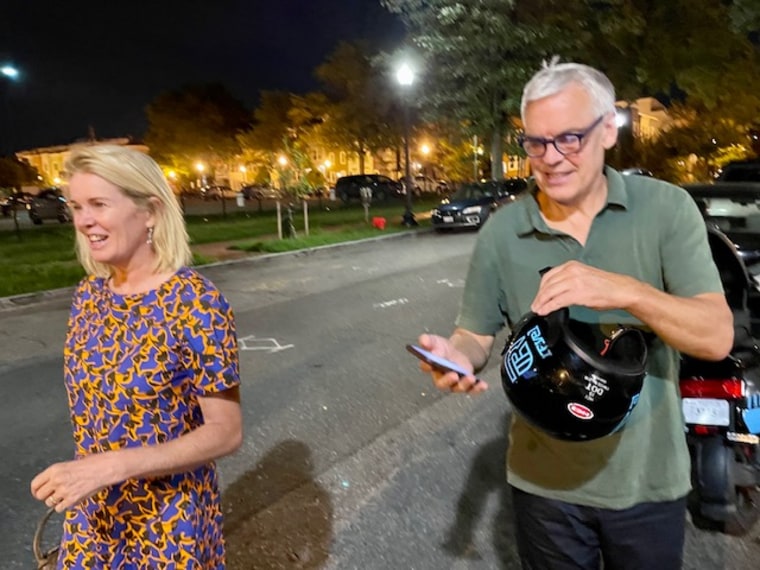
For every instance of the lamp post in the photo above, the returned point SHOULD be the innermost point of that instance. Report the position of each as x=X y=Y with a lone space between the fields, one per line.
x=10 y=74
x=200 y=167
x=425 y=169
x=623 y=120
x=405 y=77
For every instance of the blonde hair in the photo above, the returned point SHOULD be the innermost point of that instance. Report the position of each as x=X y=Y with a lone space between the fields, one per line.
x=141 y=180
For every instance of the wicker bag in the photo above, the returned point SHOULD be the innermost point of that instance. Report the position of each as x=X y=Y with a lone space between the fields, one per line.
x=46 y=559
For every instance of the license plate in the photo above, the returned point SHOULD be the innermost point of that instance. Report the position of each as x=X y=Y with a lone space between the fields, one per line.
x=448 y=219
x=705 y=411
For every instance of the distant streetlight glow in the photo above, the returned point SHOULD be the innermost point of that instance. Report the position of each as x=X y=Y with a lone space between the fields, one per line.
x=621 y=118
x=9 y=71
x=405 y=75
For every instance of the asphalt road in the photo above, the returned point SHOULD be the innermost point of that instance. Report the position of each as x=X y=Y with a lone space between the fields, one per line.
x=351 y=459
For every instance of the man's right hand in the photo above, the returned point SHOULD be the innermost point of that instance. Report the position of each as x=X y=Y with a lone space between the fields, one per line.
x=450 y=381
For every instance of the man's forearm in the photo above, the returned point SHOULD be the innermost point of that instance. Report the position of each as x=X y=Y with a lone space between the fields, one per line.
x=476 y=348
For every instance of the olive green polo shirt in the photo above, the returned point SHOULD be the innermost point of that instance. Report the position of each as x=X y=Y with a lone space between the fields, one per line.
x=650 y=230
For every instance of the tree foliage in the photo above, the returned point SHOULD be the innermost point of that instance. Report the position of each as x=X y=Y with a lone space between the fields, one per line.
x=15 y=173
x=198 y=122
x=359 y=106
x=478 y=55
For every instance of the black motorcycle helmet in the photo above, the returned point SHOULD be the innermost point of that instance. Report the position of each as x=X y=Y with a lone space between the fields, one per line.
x=567 y=379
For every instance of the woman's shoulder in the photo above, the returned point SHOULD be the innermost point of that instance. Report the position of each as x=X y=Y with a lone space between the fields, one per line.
x=193 y=288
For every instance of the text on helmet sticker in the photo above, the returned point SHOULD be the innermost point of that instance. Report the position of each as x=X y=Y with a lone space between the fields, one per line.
x=580 y=411
x=595 y=387
x=520 y=357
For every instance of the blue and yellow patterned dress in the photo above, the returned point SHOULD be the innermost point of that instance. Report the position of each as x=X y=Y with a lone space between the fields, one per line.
x=134 y=367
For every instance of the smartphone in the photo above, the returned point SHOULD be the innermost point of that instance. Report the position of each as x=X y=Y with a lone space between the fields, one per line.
x=437 y=362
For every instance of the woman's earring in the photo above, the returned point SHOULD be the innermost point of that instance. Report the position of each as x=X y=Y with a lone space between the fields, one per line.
x=150 y=236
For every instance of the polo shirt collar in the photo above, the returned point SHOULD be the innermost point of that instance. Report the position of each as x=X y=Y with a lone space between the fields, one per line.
x=617 y=194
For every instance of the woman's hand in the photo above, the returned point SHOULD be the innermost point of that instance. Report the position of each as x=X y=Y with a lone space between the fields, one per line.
x=63 y=485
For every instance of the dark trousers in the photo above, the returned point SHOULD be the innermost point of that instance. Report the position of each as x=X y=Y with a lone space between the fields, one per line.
x=553 y=535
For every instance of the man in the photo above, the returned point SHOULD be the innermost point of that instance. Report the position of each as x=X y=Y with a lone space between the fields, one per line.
x=629 y=250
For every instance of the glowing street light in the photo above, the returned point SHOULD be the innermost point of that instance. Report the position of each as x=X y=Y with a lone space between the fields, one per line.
x=9 y=71
x=11 y=74
x=405 y=78
x=621 y=118
x=201 y=168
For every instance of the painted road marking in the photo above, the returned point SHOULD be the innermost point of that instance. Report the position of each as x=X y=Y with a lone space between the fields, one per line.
x=393 y=303
x=270 y=345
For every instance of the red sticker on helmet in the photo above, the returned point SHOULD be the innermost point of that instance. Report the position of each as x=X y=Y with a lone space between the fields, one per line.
x=580 y=411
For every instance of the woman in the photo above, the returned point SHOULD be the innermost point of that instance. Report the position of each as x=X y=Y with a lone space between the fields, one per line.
x=151 y=371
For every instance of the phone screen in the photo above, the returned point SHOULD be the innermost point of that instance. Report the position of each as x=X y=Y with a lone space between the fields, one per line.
x=436 y=362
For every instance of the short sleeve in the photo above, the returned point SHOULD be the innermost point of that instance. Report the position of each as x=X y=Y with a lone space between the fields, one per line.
x=687 y=261
x=482 y=307
x=211 y=339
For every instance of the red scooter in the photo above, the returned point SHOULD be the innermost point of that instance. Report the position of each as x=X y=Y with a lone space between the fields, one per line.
x=721 y=408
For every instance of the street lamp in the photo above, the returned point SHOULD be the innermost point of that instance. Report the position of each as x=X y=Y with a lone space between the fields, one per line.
x=11 y=74
x=405 y=78
x=200 y=167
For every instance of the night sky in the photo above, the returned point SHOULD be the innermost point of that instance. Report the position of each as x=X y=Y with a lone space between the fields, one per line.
x=97 y=64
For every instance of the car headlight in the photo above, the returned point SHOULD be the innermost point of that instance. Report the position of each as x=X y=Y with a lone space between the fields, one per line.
x=472 y=210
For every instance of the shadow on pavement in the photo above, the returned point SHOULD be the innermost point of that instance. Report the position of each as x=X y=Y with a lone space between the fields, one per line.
x=276 y=515
x=487 y=477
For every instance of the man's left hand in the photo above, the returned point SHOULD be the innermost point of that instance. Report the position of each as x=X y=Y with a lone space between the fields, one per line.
x=574 y=283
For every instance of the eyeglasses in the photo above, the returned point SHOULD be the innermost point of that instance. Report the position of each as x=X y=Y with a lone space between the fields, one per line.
x=566 y=143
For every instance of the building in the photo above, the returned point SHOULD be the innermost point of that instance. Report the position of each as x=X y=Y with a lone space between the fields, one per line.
x=648 y=117
x=49 y=160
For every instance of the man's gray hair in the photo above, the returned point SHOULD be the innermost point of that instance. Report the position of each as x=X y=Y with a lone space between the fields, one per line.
x=553 y=77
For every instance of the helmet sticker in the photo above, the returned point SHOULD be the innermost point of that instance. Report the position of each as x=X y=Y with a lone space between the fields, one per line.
x=539 y=342
x=596 y=387
x=520 y=357
x=580 y=411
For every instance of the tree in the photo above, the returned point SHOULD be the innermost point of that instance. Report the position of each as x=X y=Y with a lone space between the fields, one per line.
x=15 y=173
x=198 y=122
x=358 y=105
x=480 y=54
x=477 y=57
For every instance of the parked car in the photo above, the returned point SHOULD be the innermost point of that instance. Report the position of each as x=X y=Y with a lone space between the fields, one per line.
x=735 y=209
x=17 y=201
x=637 y=171
x=473 y=203
x=217 y=192
x=48 y=204
x=259 y=192
x=347 y=188
x=740 y=171
x=427 y=185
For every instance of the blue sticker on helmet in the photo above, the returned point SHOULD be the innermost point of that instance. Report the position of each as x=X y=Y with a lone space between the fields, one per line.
x=520 y=357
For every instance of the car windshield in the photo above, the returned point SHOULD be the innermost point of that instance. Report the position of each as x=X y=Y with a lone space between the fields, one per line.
x=736 y=212
x=472 y=192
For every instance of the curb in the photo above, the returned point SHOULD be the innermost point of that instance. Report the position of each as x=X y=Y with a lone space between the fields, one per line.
x=37 y=297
